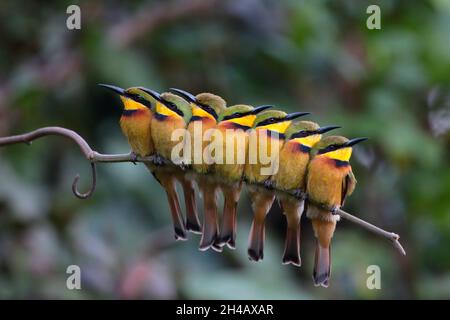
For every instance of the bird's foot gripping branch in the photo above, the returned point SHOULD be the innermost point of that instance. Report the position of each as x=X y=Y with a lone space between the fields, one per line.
x=94 y=157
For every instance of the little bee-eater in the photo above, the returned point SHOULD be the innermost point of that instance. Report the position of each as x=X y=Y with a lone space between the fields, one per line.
x=171 y=113
x=136 y=119
x=291 y=178
x=233 y=126
x=330 y=180
x=268 y=137
x=205 y=110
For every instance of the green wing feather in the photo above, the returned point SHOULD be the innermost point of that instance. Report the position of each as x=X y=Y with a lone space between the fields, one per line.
x=348 y=186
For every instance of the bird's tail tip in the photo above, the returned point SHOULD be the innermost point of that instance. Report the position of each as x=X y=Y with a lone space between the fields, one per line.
x=228 y=229
x=193 y=226
x=292 y=249
x=226 y=239
x=322 y=266
x=180 y=234
x=210 y=231
x=209 y=237
x=256 y=242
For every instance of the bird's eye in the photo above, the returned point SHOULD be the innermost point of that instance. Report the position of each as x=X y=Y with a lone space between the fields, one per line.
x=140 y=99
x=334 y=146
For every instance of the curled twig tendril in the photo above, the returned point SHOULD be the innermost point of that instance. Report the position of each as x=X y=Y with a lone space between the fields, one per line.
x=93 y=185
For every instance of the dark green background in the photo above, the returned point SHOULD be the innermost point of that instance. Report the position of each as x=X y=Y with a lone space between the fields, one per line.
x=391 y=85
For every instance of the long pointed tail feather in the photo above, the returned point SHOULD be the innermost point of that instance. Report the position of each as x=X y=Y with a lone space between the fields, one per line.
x=322 y=266
x=192 y=221
x=292 y=209
x=323 y=230
x=168 y=183
x=261 y=203
x=291 y=253
x=256 y=241
x=229 y=221
x=210 y=221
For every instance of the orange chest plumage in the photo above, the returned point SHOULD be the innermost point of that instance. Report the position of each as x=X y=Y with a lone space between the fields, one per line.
x=234 y=141
x=263 y=144
x=136 y=126
x=199 y=130
x=325 y=179
x=293 y=162
x=201 y=124
x=162 y=130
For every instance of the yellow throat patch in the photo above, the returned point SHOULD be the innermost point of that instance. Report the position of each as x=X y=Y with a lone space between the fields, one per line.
x=343 y=154
x=130 y=104
x=199 y=112
x=162 y=109
x=308 y=141
x=279 y=127
x=246 y=121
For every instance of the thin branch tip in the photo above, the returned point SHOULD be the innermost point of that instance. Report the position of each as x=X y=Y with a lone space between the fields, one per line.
x=89 y=193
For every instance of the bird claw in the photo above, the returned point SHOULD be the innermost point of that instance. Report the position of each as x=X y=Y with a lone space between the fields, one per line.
x=299 y=194
x=134 y=157
x=183 y=166
x=268 y=184
x=158 y=160
x=334 y=210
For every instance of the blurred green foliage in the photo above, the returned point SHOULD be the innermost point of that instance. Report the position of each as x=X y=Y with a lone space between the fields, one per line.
x=392 y=85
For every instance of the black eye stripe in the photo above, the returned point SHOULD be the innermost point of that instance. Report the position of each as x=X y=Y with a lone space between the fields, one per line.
x=236 y=115
x=208 y=109
x=140 y=99
x=331 y=147
x=268 y=121
x=173 y=107
x=303 y=133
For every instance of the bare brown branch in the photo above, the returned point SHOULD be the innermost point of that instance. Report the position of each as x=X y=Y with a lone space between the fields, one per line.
x=94 y=157
x=389 y=235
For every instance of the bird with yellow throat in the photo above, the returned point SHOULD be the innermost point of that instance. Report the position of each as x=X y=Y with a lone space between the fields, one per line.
x=229 y=163
x=290 y=180
x=329 y=181
x=205 y=110
x=266 y=140
x=172 y=112
x=136 y=119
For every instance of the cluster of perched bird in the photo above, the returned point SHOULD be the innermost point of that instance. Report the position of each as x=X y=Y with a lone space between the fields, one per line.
x=314 y=174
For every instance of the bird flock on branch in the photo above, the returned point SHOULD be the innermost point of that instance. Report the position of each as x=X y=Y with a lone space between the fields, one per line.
x=312 y=173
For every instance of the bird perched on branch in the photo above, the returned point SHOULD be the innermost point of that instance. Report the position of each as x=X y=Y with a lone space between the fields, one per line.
x=136 y=119
x=234 y=122
x=205 y=110
x=266 y=140
x=291 y=178
x=172 y=112
x=330 y=180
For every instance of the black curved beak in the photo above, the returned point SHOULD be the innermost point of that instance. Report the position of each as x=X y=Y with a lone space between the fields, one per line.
x=353 y=142
x=186 y=95
x=259 y=109
x=326 y=129
x=117 y=90
x=295 y=115
x=153 y=93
